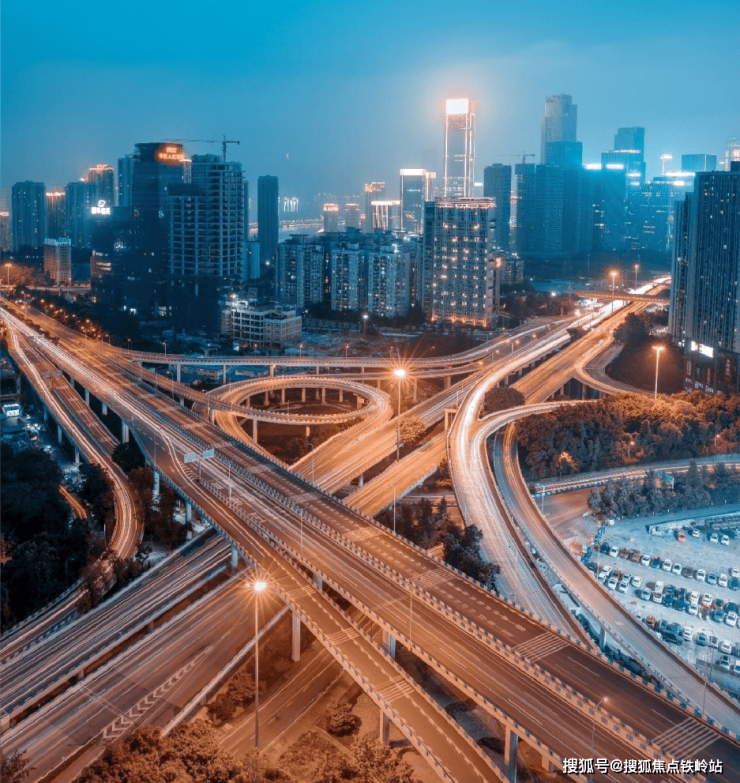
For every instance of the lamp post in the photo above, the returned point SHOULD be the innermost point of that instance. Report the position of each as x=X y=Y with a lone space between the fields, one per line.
x=258 y=588
x=400 y=374
x=593 y=731
x=393 y=487
x=614 y=277
x=637 y=266
x=365 y=316
x=346 y=350
x=313 y=463
x=657 y=349
x=7 y=269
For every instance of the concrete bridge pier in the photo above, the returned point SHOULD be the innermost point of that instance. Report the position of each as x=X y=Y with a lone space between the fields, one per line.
x=385 y=729
x=303 y=394
x=87 y=397
x=389 y=644
x=267 y=398
x=124 y=432
x=254 y=431
x=318 y=369
x=361 y=480
x=178 y=370
x=155 y=491
x=316 y=395
x=318 y=581
x=547 y=763
x=59 y=434
x=188 y=512
x=182 y=402
x=272 y=370
x=323 y=394
x=282 y=396
x=296 y=638
x=416 y=390
x=341 y=395
x=105 y=409
x=234 y=559
x=448 y=381
x=225 y=369
x=360 y=400
x=77 y=456
x=510 y=749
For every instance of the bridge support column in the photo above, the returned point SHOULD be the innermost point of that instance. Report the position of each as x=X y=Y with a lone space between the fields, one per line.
x=361 y=480
x=378 y=382
x=87 y=397
x=510 y=748
x=272 y=370
x=155 y=491
x=105 y=409
x=59 y=433
x=547 y=763
x=318 y=581
x=188 y=512
x=318 y=369
x=359 y=402
x=385 y=729
x=234 y=560
x=416 y=390
x=317 y=395
x=267 y=398
x=282 y=396
x=323 y=394
x=77 y=456
x=448 y=381
x=308 y=431
x=182 y=402
x=254 y=431
x=341 y=395
x=296 y=646
x=389 y=644
x=178 y=370
x=224 y=368
x=303 y=394
x=124 y=432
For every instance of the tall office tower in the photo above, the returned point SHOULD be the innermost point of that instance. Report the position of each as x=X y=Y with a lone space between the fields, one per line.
x=610 y=208
x=566 y=154
x=348 y=276
x=629 y=152
x=79 y=201
x=525 y=225
x=558 y=122
x=125 y=178
x=331 y=218
x=4 y=231
x=459 y=156
x=680 y=272
x=388 y=277
x=352 y=215
x=374 y=191
x=246 y=208
x=550 y=190
x=655 y=213
x=458 y=261
x=101 y=178
x=732 y=153
x=712 y=310
x=497 y=185
x=58 y=260
x=28 y=211
x=267 y=219
x=386 y=215
x=698 y=162
x=416 y=188
x=56 y=214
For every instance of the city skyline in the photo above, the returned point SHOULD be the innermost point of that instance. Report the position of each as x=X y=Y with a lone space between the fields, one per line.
x=150 y=93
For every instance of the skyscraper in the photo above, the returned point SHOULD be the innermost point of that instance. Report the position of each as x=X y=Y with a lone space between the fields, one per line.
x=374 y=191
x=459 y=261
x=101 y=178
x=416 y=188
x=125 y=178
x=497 y=185
x=56 y=214
x=698 y=162
x=352 y=215
x=28 y=211
x=58 y=260
x=558 y=122
x=712 y=303
x=629 y=152
x=732 y=153
x=459 y=149
x=386 y=215
x=267 y=218
x=331 y=218
x=79 y=200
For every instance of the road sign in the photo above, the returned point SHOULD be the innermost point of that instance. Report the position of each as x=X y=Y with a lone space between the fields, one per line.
x=208 y=453
x=191 y=457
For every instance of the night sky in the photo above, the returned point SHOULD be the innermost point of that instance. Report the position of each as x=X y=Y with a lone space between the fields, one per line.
x=330 y=95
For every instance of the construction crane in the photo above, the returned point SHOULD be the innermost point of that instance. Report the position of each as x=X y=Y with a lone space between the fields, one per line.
x=223 y=142
x=524 y=156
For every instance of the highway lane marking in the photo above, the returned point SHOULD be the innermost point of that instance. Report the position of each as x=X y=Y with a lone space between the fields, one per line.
x=433 y=576
x=685 y=739
x=395 y=689
x=541 y=646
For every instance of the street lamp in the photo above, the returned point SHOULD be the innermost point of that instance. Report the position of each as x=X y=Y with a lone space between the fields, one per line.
x=165 y=347
x=614 y=277
x=365 y=316
x=393 y=487
x=593 y=730
x=7 y=269
x=657 y=349
x=637 y=266
x=258 y=588
x=346 y=349
x=400 y=373
x=300 y=350
x=313 y=463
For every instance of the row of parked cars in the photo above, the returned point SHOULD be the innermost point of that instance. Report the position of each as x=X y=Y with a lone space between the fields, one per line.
x=675 y=633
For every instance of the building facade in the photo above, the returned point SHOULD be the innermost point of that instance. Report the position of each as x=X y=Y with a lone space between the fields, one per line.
x=459 y=261
x=260 y=325
x=102 y=179
x=497 y=185
x=416 y=188
x=459 y=148
x=28 y=213
x=56 y=214
x=58 y=260
x=267 y=218
x=559 y=123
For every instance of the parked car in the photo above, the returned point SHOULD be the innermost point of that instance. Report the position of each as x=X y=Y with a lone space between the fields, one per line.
x=722 y=580
x=724 y=663
x=669 y=599
x=688 y=632
x=695 y=533
x=646 y=594
x=731 y=619
x=655 y=562
x=667 y=564
x=725 y=646
x=734 y=583
x=677 y=568
x=713 y=538
x=645 y=560
x=701 y=575
x=702 y=638
x=650 y=621
x=681 y=536
x=706 y=600
x=623 y=586
x=725 y=540
x=614 y=551
x=637 y=581
x=692 y=609
x=735 y=572
x=688 y=572
x=711 y=579
x=612 y=583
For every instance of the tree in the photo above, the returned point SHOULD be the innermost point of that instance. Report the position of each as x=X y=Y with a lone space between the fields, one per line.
x=377 y=762
x=501 y=398
x=128 y=456
x=413 y=430
x=222 y=708
x=14 y=768
x=241 y=687
x=341 y=720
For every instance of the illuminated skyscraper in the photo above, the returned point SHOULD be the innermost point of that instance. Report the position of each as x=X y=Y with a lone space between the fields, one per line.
x=331 y=218
x=416 y=188
x=58 y=260
x=101 y=178
x=352 y=215
x=267 y=218
x=56 y=214
x=125 y=177
x=698 y=162
x=558 y=123
x=386 y=215
x=78 y=198
x=732 y=153
x=629 y=152
x=374 y=191
x=459 y=151
x=28 y=214
x=497 y=185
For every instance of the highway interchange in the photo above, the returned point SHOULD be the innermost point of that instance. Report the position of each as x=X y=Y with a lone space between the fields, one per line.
x=364 y=560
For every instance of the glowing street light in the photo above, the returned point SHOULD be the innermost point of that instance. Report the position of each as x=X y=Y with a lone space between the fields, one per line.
x=614 y=277
x=7 y=269
x=400 y=374
x=637 y=267
x=258 y=587
x=393 y=487
x=657 y=349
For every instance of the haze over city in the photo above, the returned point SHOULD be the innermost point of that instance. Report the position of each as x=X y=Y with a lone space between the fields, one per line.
x=330 y=95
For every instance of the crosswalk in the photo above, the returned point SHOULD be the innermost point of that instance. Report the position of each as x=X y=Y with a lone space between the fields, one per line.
x=345 y=635
x=434 y=576
x=541 y=646
x=395 y=689
x=361 y=533
x=685 y=739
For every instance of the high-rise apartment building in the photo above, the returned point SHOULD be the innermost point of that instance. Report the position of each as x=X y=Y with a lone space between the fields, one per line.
x=267 y=218
x=388 y=278
x=559 y=122
x=331 y=218
x=348 y=276
x=698 y=162
x=374 y=191
x=711 y=254
x=58 y=260
x=28 y=212
x=459 y=148
x=352 y=215
x=125 y=178
x=101 y=178
x=732 y=153
x=416 y=188
x=386 y=215
x=79 y=201
x=629 y=152
x=459 y=261
x=56 y=214
x=4 y=230
x=497 y=185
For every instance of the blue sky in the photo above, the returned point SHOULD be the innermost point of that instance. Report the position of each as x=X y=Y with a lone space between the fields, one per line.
x=329 y=95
